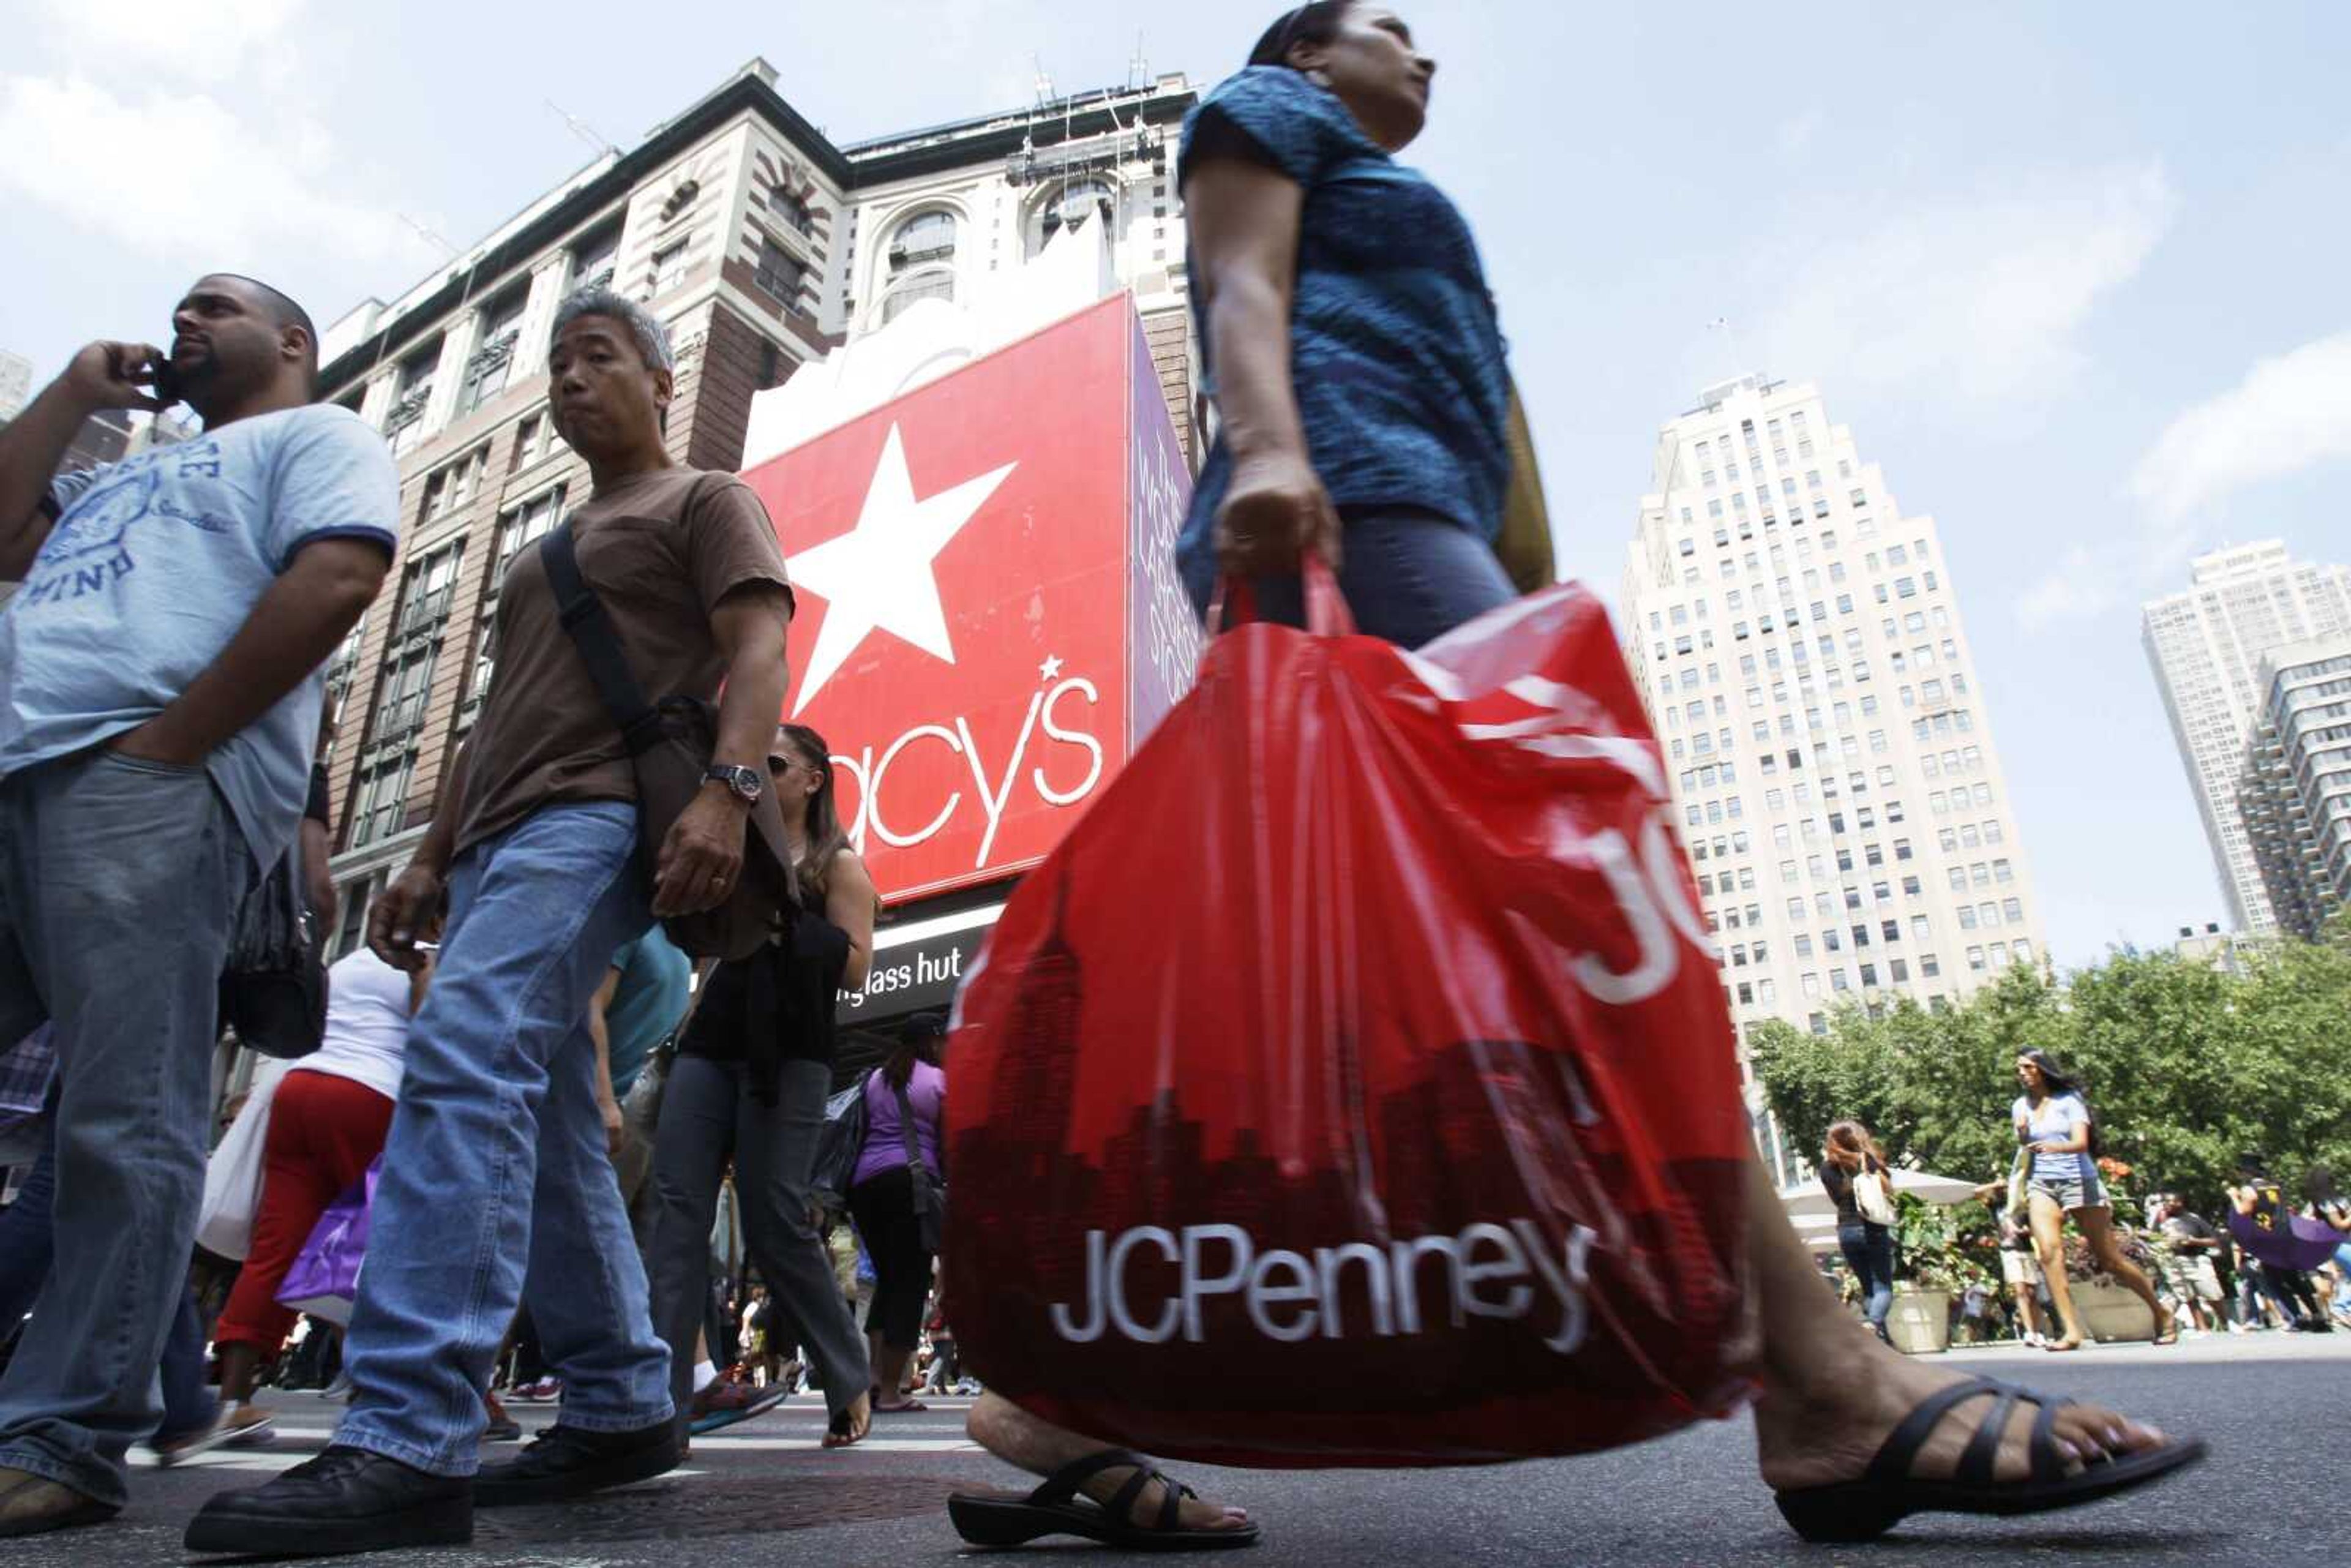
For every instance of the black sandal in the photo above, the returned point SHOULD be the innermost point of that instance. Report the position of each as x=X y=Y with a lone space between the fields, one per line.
x=1854 y=1511
x=1057 y=1507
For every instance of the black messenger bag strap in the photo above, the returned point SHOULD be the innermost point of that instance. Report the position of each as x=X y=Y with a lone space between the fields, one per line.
x=590 y=631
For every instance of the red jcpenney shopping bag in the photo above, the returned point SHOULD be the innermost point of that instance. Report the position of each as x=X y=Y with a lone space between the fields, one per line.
x=1353 y=1085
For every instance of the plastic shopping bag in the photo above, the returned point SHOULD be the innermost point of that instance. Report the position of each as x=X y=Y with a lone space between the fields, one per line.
x=233 y=1175
x=325 y=1279
x=1354 y=1086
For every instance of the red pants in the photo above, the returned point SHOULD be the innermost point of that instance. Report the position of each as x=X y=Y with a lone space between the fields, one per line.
x=323 y=1133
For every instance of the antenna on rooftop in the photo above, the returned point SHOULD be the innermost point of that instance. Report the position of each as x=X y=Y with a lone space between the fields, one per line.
x=1044 y=83
x=427 y=235
x=582 y=129
x=1739 y=366
x=1138 y=68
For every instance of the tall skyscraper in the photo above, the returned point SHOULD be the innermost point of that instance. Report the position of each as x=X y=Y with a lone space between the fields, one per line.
x=2207 y=646
x=2295 y=787
x=1798 y=641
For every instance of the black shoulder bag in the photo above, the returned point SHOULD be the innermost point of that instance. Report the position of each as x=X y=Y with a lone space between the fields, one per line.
x=274 y=989
x=930 y=1191
x=670 y=747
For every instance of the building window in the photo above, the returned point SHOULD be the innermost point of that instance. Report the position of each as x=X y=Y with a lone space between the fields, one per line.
x=1069 y=208
x=780 y=273
x=494 y=351
x=595 y=257
x=669 y=268
x=411 y=392
x=793 y=208
x=382 y=797
x=922 y=240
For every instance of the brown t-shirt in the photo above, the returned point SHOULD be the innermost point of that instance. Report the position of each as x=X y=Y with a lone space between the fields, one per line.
x=661 y=550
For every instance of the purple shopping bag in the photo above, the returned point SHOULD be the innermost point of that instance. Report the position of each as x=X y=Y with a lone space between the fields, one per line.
x=325 y=1279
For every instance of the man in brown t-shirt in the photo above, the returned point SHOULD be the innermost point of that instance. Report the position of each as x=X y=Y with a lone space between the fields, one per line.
x=496 y=1184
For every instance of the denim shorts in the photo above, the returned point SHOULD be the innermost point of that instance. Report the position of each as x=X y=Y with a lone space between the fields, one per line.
x=2073 y=1192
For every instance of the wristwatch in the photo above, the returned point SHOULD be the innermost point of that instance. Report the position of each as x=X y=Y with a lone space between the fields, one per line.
x=746 y=782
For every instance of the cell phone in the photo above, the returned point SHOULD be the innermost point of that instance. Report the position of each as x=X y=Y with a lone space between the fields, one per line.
x=166 y=384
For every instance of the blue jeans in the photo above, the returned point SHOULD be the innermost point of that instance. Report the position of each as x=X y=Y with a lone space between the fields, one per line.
x=1869 y=1252
x=496 y=1187
x=1409 y=576
x=28 y=1247
x=118 y=883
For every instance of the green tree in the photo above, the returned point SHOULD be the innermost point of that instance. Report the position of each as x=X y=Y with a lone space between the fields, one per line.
x=2187 y=1066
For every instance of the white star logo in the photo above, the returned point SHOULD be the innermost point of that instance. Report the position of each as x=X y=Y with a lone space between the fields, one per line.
x=878 y=576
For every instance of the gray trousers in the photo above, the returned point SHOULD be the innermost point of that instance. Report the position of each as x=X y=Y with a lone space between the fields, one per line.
x=707 y=1113
x=118 y=883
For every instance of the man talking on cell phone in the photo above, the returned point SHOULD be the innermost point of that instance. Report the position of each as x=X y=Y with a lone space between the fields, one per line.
x=159 y=693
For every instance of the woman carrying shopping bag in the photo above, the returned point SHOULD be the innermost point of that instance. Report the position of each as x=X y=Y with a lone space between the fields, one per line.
x=1854 y=1173
x=327 y=1124
x=1353 y=353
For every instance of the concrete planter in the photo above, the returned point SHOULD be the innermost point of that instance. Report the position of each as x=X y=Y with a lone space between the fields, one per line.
x=1920 y=1322
x=2110 y=1314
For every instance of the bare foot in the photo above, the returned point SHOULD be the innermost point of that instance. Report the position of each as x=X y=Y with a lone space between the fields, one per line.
x=1831 y=1432
x=852 y=1425
x=1038 y=1446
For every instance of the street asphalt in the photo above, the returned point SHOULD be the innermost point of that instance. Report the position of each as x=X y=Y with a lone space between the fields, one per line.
x=2273 y=1406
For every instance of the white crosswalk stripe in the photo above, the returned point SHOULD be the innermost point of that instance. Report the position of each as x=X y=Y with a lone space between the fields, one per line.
x=801 y=1431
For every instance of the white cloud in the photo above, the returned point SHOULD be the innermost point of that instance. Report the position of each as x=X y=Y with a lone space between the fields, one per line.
x=1981 y=297
x=2090 y=578
x=207 y=43
x=274 y=186
x=1795 y=135
x=2289 y=413
x=2079 y=586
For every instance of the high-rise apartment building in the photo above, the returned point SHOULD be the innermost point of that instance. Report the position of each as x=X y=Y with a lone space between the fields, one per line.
x=2295 y=788
x=765 y=247
x=2207 y=646
x=1798 y=641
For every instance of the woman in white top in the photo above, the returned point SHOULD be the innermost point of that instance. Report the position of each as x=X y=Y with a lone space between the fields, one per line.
x=327 y=1124
x=2053 y=1122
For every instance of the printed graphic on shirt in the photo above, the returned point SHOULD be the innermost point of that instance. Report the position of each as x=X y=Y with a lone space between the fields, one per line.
x=90 y=547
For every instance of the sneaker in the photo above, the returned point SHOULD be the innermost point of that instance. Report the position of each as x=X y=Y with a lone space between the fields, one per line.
x=567 y=1461
x=340 y=1389
x=544 y=1389
x=33 y=1505
x=243 y=1427
x=723 y=1404
x=346 y=1499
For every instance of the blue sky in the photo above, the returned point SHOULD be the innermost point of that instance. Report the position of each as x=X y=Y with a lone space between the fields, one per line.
x=2073 y=273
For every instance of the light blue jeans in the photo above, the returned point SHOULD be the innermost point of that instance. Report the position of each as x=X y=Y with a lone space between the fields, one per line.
x=496 y=1187
x=118 y=883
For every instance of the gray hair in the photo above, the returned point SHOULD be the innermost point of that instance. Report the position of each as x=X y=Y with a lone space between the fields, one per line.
x=652 y=338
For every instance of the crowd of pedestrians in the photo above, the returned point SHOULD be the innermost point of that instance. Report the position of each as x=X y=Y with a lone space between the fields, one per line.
x=2194 y=1276
x=546 y=1171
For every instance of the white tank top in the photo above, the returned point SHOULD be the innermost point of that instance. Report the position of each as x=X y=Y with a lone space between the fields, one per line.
x=367 y=1024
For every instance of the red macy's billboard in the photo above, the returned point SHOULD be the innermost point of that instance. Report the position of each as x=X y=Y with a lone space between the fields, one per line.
x=989 y=618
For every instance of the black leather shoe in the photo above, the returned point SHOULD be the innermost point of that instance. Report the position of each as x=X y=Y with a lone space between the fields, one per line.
x=346 y=1499
x=566 y=1462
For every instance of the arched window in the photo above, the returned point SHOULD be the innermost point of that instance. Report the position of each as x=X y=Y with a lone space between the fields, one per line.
x=921 y=261
x=1069 y=208
x=923 y=239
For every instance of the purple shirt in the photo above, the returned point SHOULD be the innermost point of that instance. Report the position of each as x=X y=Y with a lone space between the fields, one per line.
x=885 y=1143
